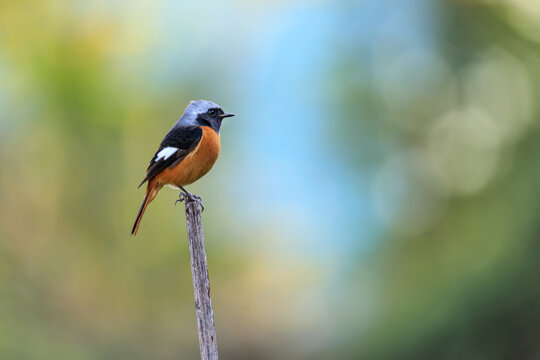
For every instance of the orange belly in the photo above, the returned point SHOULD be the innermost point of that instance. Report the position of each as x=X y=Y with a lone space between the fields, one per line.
x=196 y=164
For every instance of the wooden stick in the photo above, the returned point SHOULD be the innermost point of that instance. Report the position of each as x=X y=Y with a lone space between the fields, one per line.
x=201 y=284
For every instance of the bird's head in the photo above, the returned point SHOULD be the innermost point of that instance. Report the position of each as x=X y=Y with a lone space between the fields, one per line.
x=203 y=113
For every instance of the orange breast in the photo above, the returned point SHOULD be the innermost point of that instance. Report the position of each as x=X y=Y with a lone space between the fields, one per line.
x=196 y=164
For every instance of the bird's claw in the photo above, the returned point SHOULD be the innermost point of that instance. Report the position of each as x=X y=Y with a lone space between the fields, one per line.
x=180 y=199
x=186 y=195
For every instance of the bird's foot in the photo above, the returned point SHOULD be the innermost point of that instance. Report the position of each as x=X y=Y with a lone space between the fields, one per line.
x=186 y=195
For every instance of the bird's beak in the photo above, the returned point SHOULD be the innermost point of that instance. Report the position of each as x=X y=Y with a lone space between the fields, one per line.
x=226 y=115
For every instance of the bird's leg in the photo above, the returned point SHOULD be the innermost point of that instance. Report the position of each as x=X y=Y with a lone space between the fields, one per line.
x=184 y=195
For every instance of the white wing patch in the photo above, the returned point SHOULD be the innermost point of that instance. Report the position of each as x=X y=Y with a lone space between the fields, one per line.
x=165 y=153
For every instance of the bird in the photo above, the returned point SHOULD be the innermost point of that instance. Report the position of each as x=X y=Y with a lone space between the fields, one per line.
x=187 y=153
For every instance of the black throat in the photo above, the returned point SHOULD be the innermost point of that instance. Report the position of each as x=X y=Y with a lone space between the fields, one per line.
x=213 y=122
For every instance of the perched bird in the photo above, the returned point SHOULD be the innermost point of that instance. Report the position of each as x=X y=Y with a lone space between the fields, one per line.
x=188 y=152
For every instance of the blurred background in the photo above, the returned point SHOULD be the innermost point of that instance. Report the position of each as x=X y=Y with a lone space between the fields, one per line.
x=377 y=195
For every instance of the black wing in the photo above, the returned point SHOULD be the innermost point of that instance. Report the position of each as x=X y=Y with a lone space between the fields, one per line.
x=184 y=139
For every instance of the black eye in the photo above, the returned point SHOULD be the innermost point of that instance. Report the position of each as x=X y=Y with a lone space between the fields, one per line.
x=212 y=112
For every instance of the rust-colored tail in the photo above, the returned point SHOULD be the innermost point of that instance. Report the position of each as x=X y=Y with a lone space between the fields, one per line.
x=151 y=192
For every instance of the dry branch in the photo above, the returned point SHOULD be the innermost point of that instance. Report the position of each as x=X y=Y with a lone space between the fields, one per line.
x=201 y=283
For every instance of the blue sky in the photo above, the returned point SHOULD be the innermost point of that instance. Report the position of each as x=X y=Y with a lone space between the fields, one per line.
x=268 y=64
